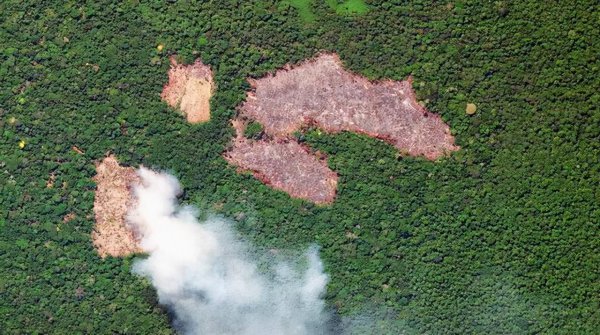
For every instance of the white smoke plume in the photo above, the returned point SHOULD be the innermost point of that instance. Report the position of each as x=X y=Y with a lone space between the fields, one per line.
x=207 y=277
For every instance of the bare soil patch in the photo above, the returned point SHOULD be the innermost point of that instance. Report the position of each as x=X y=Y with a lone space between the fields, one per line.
x=189 y=89
x=321 y=92
x=114 y=196
x=287 y=166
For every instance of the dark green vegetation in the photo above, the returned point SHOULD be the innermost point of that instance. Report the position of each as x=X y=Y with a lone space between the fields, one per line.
x=253 y=130
x=502 y=237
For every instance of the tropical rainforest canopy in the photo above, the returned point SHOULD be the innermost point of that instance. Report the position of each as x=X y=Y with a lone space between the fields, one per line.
x=499 y=237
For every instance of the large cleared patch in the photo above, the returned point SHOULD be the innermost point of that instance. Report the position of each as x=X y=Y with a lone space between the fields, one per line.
x=321 y=93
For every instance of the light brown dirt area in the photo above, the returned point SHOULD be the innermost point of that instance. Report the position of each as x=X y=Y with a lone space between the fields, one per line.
x=322 y=93
x=112 y=236
x=189 y=89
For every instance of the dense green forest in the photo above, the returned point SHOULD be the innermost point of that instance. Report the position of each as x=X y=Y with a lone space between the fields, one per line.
x=501 y=237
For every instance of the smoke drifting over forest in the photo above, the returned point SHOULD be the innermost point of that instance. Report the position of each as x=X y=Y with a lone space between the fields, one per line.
x=207 y=278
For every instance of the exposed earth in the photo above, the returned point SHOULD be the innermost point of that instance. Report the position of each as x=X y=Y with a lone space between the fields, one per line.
x=321 y=93
x=285 y=165
x=114 y=196
x=189 y=89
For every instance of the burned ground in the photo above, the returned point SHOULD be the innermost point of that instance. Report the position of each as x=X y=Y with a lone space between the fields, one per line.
x=189 y=89
x=114 y=196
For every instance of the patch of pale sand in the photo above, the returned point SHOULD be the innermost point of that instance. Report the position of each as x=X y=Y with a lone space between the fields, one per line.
x=189 y=89
x=240 y=127
x=112 y=236
x=195 y=102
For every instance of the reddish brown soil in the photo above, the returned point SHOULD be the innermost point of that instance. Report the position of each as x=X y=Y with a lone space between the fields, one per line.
x=112 y=236
x=286 y=166
x=189 y=89
x=321 y=92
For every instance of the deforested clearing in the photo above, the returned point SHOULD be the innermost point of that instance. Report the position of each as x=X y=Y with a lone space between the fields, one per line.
x=112 y=236
x=322 y=93
x=287 y=166
x=189 y=89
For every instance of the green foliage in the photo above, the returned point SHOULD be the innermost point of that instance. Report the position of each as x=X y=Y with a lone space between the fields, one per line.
x=501 y=237
x=348 y=7
x=253 y=130
x=304 y=9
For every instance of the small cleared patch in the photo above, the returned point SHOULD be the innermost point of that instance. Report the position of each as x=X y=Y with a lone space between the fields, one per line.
x=112 y=236
x=189 y=89
x=286 y=166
